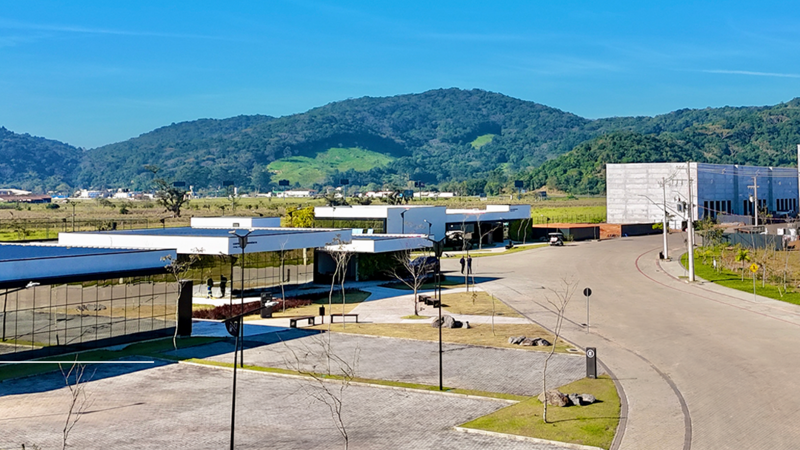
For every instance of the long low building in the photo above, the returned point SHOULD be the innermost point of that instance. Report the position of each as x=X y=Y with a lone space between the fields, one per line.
x=639 y=193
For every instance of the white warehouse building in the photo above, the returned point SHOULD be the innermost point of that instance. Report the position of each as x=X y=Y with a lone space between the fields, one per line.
x=637 y=193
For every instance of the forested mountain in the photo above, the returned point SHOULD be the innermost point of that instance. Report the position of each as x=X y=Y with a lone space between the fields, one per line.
x=430 y=135
x=765 y=136
x=470 y=140
x=36 y=164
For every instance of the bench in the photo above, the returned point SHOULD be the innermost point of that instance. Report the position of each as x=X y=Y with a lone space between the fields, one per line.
x=343 y=316
x=428 y=300
x=293 y=321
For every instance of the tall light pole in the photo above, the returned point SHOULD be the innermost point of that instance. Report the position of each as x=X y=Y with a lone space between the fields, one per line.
x=403 y=223
x=240 y=335
x=666 y=218
x=690 y=224
x=5 y=302
x=438 y=247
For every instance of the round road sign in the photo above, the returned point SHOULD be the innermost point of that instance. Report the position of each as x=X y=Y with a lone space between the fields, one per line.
x=590 y=353
x=587 y=292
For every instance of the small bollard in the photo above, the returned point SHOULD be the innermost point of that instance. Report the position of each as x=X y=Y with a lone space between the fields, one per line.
x=322 y=313
x=591 y=362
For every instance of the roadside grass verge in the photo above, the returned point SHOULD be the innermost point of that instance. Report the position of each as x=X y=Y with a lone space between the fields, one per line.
x=153 y=349
x=400 y=384
x=733 y=280
x=477 y=303
x=480 y=334
x=593 y=424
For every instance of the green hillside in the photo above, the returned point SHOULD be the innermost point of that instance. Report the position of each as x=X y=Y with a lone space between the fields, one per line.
x=307 y=172
x=472 y=141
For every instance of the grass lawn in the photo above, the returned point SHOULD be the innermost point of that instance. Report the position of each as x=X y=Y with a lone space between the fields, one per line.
x=447 y=283
x=476 y=303
x=593 y=424
x=352 y=298
x=152 y=349
x=413 y=317
x=733 y=280
x=479 y=334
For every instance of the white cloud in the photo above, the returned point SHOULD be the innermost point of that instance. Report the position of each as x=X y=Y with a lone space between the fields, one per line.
x=758 y=74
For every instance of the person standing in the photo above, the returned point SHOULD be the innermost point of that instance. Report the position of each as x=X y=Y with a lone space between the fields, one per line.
x=210 y=283
x=469 y=265
x=462 y=265
x=223 y=282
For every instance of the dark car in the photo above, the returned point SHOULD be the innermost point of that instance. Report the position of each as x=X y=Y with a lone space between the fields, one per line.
x=430 y=264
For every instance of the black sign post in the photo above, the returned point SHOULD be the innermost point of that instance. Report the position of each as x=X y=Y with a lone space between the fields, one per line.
x=587 y=293
x=591 y=362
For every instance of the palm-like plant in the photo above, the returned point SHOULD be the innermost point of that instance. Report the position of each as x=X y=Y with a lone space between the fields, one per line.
x=742 y=255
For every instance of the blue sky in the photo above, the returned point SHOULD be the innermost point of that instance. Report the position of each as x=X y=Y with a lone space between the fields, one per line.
x=91 y=73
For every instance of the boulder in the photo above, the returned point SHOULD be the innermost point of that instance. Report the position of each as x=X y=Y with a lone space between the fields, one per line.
x=575 y=399
x=518 y=340
x=542 y=342
x=526 y=341
x=587 y=399
x=554 y=398
x=510 y=339
x=447 y=322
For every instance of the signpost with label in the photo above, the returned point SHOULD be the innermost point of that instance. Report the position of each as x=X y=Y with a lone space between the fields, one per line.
x=591 y=362
x=587 y=293
x=754 y=268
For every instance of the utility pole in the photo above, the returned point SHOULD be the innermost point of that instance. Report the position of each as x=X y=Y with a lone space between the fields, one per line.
x=690 y=224
x=754 y=187
x=666 y=224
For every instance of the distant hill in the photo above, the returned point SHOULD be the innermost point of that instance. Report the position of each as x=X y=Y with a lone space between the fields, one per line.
x=764 y=136
x=470 y=140
x=36 y=164
x=427 y=135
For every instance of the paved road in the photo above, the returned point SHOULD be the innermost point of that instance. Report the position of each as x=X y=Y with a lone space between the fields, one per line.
x=185 y=406
x=412 y=361
x=701 y=367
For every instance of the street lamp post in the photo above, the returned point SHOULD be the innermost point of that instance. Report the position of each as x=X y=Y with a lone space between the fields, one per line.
x=438 y=246
x=5 y=302
x=403 y=223
x=240 y=334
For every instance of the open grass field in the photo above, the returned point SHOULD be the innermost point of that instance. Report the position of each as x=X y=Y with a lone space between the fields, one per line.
x=480 y=334
x=477 y=303
x=482 y=140
x=305 y=170
x=592 y=425
x=33 y=222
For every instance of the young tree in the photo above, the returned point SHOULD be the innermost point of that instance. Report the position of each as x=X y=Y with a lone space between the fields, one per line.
x=79 y=401
x=562 y=297
x=179 y=268
x=328 y=390
x=743 y=256
x=409 y=273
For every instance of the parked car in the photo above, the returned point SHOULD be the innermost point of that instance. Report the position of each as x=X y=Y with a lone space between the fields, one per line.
x=556 y=239
x=430 y=265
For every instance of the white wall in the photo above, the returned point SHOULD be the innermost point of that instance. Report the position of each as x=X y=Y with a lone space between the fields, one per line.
x=41 y=268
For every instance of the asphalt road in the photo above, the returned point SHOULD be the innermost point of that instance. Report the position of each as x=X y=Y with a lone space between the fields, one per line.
x=701 y=367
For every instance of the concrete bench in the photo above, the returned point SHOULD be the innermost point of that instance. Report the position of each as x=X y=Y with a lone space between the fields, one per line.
x=343 y=316
x=293 y=321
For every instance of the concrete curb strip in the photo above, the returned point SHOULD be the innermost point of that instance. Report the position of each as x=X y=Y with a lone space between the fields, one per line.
x=358 y=383
x=526 y=439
